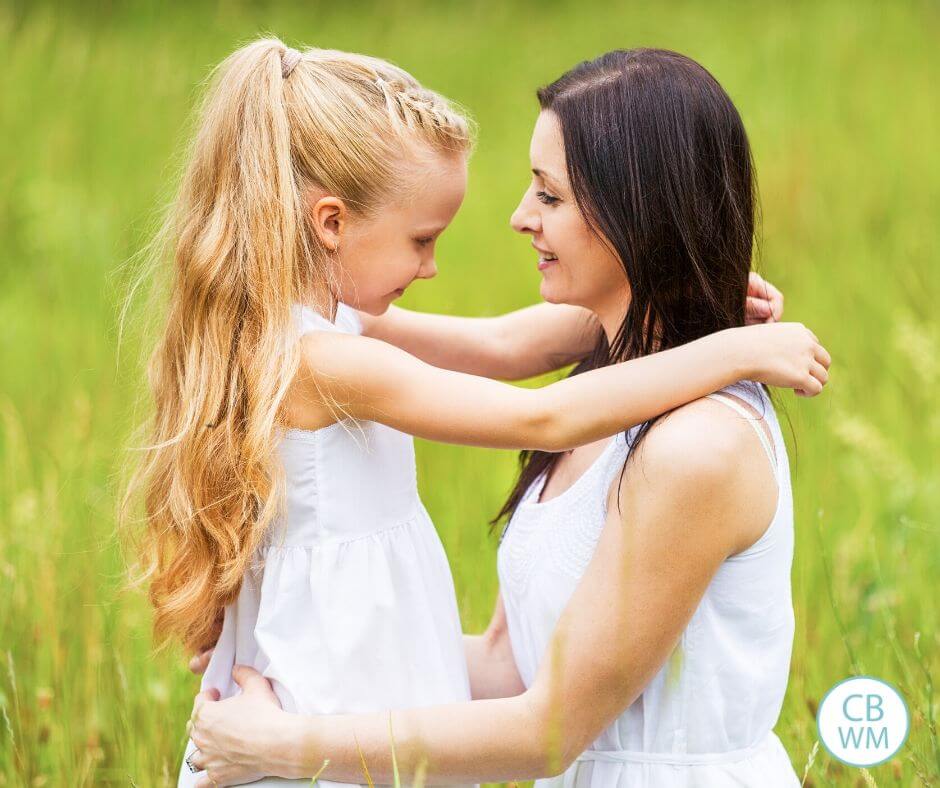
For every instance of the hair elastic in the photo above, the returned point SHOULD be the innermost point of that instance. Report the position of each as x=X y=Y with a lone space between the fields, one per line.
x=289 y=61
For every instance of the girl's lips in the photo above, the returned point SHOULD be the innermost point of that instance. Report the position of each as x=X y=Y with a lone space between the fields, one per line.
x=543 y=264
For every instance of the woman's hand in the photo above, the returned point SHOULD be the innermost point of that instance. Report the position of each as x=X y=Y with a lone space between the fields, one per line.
x=200 y=661
x=764 y=301
x=787 y=355
x=243 y=738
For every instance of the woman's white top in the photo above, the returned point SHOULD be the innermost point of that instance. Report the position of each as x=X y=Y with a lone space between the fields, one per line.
x=354 y=608
x=706 y=719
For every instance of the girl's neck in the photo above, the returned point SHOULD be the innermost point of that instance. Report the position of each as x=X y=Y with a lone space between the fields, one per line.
x=324 y=302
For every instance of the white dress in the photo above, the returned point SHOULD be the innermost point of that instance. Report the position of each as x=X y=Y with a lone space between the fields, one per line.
x=706 y=719
x=354 y=609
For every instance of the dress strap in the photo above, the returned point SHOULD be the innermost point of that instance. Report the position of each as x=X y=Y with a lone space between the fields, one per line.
x=754 y=422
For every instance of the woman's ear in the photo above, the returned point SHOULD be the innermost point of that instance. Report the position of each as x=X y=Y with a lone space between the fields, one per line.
x=328 y=215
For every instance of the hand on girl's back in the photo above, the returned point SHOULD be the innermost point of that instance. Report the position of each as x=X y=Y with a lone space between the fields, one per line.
x=199 y=662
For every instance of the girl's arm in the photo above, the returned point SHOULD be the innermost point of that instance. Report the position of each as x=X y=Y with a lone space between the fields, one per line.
x=523 y=343
x=700 y=484
x=514 y=346
x=490 y=661
x=368 y=379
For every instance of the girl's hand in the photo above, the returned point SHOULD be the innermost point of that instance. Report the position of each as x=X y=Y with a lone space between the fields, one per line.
x=243 y=738
x=764 y=301
x=787 y=355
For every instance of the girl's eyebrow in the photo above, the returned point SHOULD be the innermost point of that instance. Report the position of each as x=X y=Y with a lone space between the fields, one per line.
x=432 y=229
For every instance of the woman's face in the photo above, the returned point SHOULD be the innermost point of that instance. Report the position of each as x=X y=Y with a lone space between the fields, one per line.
x=577 y=267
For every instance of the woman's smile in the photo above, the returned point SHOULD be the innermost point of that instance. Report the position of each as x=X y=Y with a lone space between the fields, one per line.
x=546 y=259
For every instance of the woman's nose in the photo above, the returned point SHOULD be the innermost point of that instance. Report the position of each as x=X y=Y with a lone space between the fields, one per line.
x=524 y=220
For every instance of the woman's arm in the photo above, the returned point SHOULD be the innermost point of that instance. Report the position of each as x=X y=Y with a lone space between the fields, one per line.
x=490 y=661
x=523 y=343
x=698 y=484
x=368 y=379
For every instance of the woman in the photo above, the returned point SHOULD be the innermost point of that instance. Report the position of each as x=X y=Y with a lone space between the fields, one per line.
x=645 y=598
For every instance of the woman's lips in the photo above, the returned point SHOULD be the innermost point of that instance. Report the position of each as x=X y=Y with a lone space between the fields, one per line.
x=543 y=264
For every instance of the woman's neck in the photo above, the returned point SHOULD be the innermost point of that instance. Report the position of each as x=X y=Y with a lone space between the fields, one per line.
x=611 y=312
x=611 y=315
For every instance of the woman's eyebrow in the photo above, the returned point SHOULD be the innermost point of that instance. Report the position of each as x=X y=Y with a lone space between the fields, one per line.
x=545 y=176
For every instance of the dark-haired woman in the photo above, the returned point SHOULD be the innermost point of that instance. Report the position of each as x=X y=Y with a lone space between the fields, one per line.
x=643 y=631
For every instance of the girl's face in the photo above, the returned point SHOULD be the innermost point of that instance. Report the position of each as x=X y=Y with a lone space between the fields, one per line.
x=379 y=256
x=577 y=267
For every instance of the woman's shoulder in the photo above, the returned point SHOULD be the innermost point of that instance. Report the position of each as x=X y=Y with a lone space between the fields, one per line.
x=706 y=453
x=705 y=435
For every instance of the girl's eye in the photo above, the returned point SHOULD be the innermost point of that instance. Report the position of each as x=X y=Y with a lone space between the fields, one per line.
x=546 y=198
x=424 y=241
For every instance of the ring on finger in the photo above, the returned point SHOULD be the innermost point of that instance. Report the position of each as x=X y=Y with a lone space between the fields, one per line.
x=192 y=767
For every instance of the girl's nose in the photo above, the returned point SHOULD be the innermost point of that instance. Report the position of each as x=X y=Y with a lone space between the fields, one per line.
x=428 y=270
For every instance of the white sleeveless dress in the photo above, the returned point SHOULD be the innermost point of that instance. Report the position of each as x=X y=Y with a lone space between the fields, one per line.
x=354 y=608
x=710 y=726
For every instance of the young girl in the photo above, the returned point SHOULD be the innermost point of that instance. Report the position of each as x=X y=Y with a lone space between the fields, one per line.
x=280 y=479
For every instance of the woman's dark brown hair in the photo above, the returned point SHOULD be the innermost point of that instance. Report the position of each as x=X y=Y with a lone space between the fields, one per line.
x=661 y=169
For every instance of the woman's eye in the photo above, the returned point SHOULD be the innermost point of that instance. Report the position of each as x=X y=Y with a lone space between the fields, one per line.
x=424 y=241
x=546 y=198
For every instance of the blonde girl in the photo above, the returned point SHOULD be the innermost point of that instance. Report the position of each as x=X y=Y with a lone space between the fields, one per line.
x=279 y=477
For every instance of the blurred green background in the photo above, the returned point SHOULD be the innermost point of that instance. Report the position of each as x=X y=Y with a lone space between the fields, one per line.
x=840 y=102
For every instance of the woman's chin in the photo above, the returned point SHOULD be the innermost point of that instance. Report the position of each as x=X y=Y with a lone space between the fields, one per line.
x=551 y=293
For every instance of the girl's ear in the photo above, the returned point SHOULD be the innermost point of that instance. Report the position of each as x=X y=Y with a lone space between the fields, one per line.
x=328 y=215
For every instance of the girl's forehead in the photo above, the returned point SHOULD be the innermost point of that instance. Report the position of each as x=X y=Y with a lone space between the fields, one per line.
x=441 y=190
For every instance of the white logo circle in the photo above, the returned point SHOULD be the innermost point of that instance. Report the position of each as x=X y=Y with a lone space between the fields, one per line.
x=863 y=721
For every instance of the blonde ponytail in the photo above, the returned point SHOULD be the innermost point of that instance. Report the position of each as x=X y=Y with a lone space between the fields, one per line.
x=243 y=254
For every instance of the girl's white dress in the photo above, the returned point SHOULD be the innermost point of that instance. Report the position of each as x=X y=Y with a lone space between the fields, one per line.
x=706 y=719
x=354 y=608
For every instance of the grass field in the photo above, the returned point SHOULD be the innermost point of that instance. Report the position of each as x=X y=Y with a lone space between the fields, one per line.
x=840 y=102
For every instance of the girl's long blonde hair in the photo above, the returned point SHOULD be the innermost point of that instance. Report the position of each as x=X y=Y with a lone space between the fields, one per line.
x=243 y=253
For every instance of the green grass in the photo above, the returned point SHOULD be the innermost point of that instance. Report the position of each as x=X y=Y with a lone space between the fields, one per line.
x=840 y=102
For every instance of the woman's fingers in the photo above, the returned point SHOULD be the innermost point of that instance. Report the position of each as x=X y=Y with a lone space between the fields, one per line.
x=200 y=661
x=198 y=759
x=210 y=694
x=251 y=681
